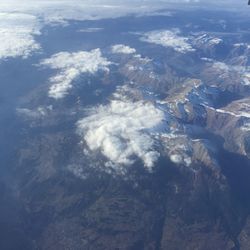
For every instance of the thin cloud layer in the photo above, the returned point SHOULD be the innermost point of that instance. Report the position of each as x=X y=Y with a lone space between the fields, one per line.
x=122 y=49
x=71 y=66
x=17 y=35
x=169 y=38
x=20 y=21
x=62 y=10
x=121 y=131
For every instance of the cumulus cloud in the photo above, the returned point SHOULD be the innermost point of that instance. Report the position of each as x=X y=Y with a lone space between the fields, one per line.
x=122 y=130
x=122 y=49
x=70 y=67
x=168 y=38
x=17 y=35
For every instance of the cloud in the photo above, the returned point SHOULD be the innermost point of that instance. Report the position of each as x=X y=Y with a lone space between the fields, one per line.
x=122 y=49
x=122 y=130
x=61 y=10
x=168 y=38
x=176 y=158
x=17 y=35
x=20 y=21
x=36 y=113
x=78 y=171
x=71 y=66
x=90 y=30
x=228 y=71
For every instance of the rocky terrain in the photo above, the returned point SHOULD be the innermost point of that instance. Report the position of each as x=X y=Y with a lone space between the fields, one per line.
x=150 y=152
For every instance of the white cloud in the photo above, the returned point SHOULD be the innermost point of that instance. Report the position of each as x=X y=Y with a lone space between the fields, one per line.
x=226 y=70
x=17 y=35
x=90 y=30
x=122 y=130
x=71 y=66
x=62 y=10
x=176 y=159
x=36 y=113
x=122 y=49
x=77 y=170
x=18 y=40
x=168 y=38
x=21 y=21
